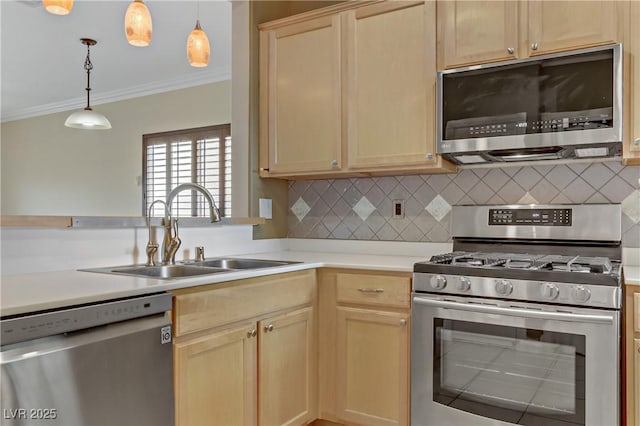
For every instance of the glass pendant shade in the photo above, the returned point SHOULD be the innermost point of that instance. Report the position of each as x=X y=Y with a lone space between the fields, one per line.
x=58 y=7
x=137 y=24
x=198 y=48
x=87 y=119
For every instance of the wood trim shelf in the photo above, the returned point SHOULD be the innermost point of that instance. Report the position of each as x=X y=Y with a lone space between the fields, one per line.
x=99 y=222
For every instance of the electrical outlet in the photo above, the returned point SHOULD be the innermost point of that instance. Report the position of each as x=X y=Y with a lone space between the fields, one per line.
x=265 y=208
x=398 y=209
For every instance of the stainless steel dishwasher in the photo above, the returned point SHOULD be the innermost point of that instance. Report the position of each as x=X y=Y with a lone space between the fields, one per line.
x=108 y=363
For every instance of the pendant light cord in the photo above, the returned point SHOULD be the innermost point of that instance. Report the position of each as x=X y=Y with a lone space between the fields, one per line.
x=88 y=66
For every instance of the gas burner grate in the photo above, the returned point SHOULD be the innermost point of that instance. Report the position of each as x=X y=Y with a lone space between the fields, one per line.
x=479 y=260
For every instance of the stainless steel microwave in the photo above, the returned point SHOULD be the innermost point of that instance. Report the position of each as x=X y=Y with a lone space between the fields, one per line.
x=558 y=106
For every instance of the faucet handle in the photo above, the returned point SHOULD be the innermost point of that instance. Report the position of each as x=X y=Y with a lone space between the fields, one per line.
x=151 y=251
x=200 y=254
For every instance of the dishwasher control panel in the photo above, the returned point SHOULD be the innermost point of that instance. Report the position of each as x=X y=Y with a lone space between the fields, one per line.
x=42 y=324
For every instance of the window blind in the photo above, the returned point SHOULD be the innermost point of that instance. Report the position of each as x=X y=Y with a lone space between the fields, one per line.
x=201 y=156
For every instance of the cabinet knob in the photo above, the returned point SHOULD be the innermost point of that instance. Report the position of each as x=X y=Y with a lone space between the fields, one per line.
x=429 y=156
x=268 y=328
x=252 y=333
x=510 y=50
x=534 y=46
x=334 y=163
x=403 y=322
x=637 y=142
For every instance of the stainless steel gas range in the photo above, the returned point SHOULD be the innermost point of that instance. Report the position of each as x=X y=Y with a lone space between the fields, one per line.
x=520 y=324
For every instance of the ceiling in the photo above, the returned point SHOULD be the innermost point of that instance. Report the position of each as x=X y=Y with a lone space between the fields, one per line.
x=42 y=58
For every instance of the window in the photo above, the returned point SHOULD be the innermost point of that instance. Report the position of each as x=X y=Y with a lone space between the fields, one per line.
x=201 y=156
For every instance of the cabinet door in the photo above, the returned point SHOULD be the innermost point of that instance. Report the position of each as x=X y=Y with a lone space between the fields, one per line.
x=390 y=61
x=287 y=367
x=301 y=97
x=563 y=25
x=472 y=32
x=215 y=378
x=636 y=369
x=373 y=367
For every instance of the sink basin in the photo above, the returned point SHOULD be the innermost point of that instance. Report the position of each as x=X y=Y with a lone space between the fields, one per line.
x=164 y=272
x=190 y=269
x=230 y=263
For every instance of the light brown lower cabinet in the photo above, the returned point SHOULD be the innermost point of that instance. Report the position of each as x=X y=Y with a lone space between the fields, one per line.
x=260 y=370
x=283 y=350
x=636 y=357
x=364 y=332
x=373 y=361
x=632 y=344
x=216 y=378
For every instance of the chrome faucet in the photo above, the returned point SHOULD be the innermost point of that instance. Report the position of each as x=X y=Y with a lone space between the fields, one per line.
x=171 y=241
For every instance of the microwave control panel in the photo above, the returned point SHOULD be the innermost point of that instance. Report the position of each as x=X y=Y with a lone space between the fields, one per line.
x=533 y=217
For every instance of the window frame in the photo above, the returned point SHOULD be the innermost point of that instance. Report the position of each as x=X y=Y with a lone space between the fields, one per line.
x=194 y=134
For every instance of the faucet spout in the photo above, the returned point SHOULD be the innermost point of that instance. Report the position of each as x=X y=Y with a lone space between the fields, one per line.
x=214 y=213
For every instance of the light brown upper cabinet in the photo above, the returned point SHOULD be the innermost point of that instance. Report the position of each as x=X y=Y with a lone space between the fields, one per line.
x=472 y=32
x=632 y=82
x=300 y=97
x=349 y=90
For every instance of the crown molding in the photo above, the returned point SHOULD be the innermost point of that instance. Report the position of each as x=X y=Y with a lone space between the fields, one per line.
x=118 y=95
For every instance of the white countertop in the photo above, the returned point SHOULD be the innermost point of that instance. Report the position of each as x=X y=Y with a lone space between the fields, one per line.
x=632 y=275
x=49 y=290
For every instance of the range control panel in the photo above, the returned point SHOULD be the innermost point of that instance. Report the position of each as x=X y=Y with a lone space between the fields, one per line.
x=535 y=217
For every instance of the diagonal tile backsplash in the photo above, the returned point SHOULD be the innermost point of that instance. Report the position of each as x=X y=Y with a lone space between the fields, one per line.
x=362 y=208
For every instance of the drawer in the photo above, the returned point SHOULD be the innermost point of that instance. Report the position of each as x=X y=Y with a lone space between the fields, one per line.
x=636 y=312
x=209 y=306
x=375 y=290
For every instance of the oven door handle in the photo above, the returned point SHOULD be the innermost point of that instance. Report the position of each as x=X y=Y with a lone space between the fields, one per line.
x=516 y=312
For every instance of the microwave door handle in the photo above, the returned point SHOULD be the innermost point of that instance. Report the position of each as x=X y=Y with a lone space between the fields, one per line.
x=516 y=312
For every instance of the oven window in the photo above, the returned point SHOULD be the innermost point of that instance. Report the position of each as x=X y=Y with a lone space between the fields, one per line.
x=517 y=375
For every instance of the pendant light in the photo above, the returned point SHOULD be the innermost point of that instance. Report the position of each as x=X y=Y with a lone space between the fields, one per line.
x=58 y=7
x=198 y=48
x=88 y=118
x=137 y=24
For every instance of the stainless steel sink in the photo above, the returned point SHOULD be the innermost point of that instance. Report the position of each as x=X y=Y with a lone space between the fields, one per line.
x=190 y=269
x=231 y=263
x=165 y=272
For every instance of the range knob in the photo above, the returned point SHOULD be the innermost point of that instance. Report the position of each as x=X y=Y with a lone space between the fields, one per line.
x=464 y=284
x=504 y=287
x=438 y=282
x=581 y=293
x=549 y=291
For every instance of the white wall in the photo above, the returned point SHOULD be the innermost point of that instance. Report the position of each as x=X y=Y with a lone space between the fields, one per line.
x=50 y=169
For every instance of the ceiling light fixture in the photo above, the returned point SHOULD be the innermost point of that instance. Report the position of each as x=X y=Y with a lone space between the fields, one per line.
x=87 y=118
x=58 y=7
x=137 y=24
x=198 y=48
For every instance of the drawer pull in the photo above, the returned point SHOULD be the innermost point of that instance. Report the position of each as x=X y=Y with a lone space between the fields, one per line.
x=371 y=290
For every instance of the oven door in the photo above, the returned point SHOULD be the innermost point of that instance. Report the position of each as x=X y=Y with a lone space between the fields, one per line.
x=489 y=362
